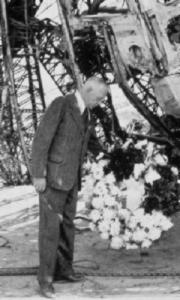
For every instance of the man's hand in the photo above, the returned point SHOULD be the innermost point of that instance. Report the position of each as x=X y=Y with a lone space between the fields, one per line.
x=39 y=184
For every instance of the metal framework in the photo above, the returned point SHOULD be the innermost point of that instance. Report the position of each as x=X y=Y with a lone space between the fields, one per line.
x=20 y=66
x=52 y=56
x=26 y=42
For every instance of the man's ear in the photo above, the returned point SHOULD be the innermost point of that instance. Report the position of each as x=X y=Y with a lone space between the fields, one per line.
x=89 y=89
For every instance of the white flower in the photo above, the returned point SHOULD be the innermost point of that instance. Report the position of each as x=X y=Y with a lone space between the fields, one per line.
x=124 y=214
x=175 y=171
x=160 y=159
x=92 y=226
x=150 y=149
x=116 y=242
x=157 y=214
x=131 y=246
x=104 y=226
x=132 y=224
x=139 y=235
x=141 y=144
x=87 y=165
x=100 y=156
x=95 y=215
x=158 y=217
x=87 y=198
x=166 y=225
x=100 y=188
x=98 y=175
x=97 y=203
x=139 y=213
x=161 y=220
x=127 y=236
x=134 y=193
x=151 y=176
x=146 y=243
x=110 y=179
x=97 y=171
x=115 y=228
x=109 y=201
x=109 y=214
x=119 y=206
x=127 y=144
x=138 y=169
x=114 y=190
x=154 y=234
x=102 y=163
x=104 y=235
x=87 y=186
x=147 y=221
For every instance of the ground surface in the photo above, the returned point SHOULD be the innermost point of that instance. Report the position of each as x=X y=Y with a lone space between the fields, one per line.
x=18 y=248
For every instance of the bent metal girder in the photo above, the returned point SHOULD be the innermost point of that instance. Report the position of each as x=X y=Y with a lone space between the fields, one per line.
x=32 y=41
x=20 y=72
x=27 y=42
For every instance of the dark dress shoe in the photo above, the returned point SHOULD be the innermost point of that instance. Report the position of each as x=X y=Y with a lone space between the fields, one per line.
x=47 y=290
x=70 y=277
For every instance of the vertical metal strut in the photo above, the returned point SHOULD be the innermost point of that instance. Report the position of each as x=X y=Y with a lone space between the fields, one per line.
x=9 y=76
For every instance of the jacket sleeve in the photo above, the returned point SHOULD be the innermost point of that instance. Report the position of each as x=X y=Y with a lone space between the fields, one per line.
x=44 y=136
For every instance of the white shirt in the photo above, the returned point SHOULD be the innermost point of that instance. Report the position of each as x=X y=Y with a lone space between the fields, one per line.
x=80 y=102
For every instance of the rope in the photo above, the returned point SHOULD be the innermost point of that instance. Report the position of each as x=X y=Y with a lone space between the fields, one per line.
x=28 y=271
x=131 y=274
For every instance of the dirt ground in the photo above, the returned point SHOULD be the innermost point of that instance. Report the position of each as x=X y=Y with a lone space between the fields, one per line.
x=109 y=273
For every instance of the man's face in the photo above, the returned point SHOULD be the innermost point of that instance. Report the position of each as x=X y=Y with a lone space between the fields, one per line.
x=96 y=96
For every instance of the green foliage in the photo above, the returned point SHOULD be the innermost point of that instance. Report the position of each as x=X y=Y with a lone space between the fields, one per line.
x=122 y=161
x=163 y=195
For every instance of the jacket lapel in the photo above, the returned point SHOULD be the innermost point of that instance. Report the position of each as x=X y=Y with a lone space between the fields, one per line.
x=75 y=112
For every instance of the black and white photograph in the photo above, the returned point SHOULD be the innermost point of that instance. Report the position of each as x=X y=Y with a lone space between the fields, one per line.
x=89 y=149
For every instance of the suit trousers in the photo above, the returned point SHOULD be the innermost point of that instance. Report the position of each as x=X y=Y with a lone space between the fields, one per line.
x=56 y=235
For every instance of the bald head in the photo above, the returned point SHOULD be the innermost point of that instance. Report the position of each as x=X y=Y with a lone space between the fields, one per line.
x=94 y=91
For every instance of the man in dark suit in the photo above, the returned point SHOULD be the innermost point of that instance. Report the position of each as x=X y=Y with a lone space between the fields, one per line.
x=58 y=150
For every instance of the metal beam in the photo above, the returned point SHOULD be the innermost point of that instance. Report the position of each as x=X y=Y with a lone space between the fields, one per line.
x=67 y=34
x=9 y=76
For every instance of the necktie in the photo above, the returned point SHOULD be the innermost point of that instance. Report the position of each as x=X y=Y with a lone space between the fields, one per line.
x=85 y=119
x=85 y=115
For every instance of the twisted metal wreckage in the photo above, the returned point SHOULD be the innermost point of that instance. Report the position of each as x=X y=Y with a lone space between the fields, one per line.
x=142 y=38
x=143 y=42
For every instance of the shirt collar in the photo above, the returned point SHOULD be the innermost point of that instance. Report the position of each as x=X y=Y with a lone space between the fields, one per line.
x=80 y=102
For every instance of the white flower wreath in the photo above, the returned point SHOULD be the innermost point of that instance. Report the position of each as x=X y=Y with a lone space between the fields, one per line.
x=116 y=211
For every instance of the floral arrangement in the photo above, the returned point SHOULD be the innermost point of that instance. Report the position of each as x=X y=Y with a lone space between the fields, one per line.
x=127 y=207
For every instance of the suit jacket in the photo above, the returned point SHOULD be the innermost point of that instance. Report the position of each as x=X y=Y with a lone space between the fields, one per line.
x=60 y=143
